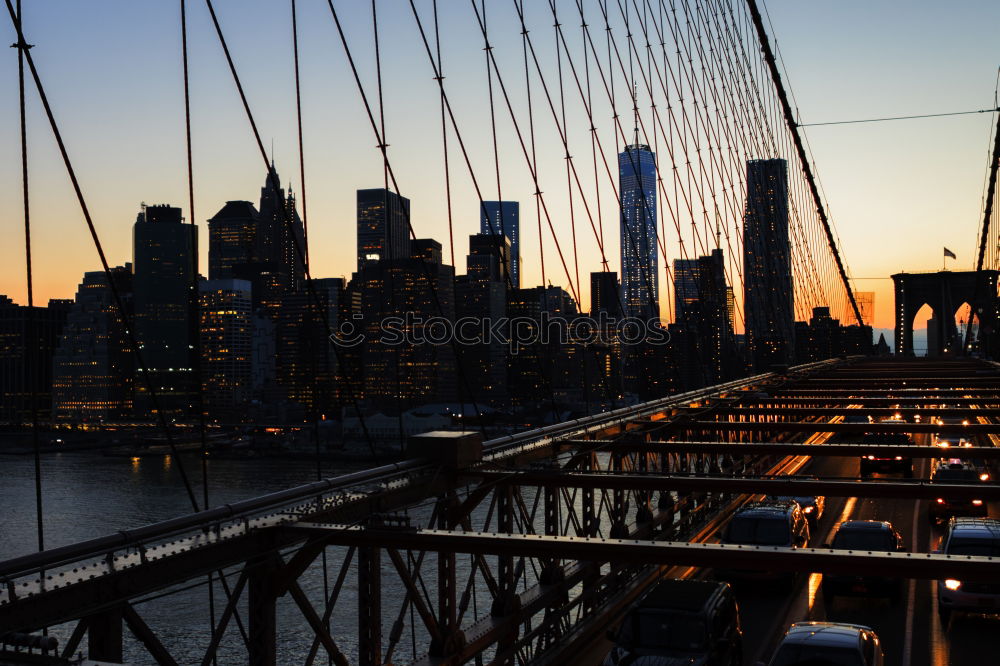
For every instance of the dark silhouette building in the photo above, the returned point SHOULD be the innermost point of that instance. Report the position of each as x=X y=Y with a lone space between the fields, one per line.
x=383 y=226
x=232 y=234
x=93 y=366
x=768 y=295
x=28 y=339
x=404 y=360
x=165 y=250
x=279 y=247
x=226 y=346
x=480 y=302
x=307 y=364
x=504 y=218
x=702 y=301
x=489 y=258
x=605 y=295
x=686 y=274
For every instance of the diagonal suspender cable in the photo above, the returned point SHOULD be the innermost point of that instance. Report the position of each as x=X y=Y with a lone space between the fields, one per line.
x=380 y=137
x=299 y=250
x=800 y=150
x=32 y=371
x=991 y=188
x=116 y=294
x=194 y=303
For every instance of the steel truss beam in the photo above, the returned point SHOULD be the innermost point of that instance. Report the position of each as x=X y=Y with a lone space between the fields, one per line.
x=900 y=393
x=906 y=412
x=872 y=401
x=805 y=426
x=635 y=551
x=842 y=449
x=773 y=486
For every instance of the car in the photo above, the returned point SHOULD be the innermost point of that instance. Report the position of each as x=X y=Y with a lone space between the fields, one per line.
x=773 y=523
x=914 y=408
x=863 y=535
x=952 y=433
x=955 y=470
x=812 y=506
x=824 y=643
x=680 y=622
x=886 y=463
x=969 y=536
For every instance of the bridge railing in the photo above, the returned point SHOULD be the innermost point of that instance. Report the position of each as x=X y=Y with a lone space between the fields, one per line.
x=294 y=503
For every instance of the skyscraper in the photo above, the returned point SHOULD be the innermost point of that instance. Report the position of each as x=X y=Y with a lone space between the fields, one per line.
x=279 y=230
x=226 y=345
x=768 y=295
x=637 y=184
x=480 y=296
x=399 y=374
x=92 y=368
x=278 y=242
x=383 y=229
x=28 y=338
x=488 y=257
x=232 y=234
x=306 y=360
x=686 y=274
x=503 y=217
x=164 y=253
x=604 y=295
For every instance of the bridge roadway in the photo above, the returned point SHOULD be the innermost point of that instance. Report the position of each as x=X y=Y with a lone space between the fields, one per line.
x=551 y=594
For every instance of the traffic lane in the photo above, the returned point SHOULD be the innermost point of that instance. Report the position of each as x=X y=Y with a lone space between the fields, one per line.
x=969 y=639
x=807 y=603
x=765 y=608
x=911 y=633
x=895 y=624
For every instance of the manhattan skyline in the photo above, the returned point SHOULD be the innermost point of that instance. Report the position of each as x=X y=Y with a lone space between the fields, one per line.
x=128 y=148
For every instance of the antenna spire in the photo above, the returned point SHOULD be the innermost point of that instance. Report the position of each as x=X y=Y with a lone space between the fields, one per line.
x=635 y=108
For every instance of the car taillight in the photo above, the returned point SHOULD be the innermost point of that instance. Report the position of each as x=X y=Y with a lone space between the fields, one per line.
x=871 y=457
x=977 y=502
x=984 y=477
x=809 y=509
x=940 y=500
x=899 y=457
x=953 y=584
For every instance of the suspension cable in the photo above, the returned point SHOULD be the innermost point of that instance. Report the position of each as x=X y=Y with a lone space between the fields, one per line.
x=115 y=292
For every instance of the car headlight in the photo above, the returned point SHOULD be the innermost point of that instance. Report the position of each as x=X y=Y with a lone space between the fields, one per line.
x=808 y=509
x=871 y=457
x=984 y=477
x=899 y=457
x=953 y=584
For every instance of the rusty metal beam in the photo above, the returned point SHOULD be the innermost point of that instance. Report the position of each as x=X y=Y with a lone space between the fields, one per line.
x=900 y=393
x=792 y=486
x=904 y=412
x=872 y=401
x=806 y=426
x=762 y=558
x=147 y=637
x=844 y=449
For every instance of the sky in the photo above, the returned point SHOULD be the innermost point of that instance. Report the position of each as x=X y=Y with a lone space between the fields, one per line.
x=898 y=192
